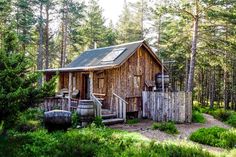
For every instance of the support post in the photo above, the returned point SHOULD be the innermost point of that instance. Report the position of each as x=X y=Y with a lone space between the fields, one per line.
x=69 y=92
x=91 y=82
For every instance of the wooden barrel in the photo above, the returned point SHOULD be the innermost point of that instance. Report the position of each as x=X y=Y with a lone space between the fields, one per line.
x=57 y=120
x=86 y=111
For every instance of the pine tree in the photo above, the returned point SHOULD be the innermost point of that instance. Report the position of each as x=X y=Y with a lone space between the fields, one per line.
x=71 y=14
x=130 y=24
x=18 y=86
x=25 y=20
x=94 y=25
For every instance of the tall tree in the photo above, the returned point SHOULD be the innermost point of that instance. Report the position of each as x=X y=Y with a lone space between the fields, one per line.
x=71 y=14
x=129 y=26
x=40 y=41
x=94 y=25
x=25 y=21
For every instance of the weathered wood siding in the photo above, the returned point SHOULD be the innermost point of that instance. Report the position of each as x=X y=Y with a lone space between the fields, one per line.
x=174 y=106
x=140 y=67
x=127 y=81
x=64 y=80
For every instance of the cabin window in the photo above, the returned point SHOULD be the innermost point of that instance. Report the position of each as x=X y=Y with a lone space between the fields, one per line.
x=137 y=81
x=100 y=83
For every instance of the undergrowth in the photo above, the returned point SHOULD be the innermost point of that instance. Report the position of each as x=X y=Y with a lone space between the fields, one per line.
x=215 y=136
x=168 y=127
x=92 y=141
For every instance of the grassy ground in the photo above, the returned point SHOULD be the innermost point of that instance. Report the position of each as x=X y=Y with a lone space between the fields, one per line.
x=91 y=141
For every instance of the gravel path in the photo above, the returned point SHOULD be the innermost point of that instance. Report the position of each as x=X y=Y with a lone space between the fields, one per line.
x=144 y=128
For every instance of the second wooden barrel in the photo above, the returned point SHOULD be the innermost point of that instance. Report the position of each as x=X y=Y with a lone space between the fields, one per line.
x=86 y=111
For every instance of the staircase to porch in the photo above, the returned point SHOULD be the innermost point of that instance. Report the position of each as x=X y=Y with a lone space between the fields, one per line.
x=109 y=117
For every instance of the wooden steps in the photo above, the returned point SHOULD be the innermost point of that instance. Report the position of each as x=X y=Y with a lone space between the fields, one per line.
x=110 y=118
x=112 y=121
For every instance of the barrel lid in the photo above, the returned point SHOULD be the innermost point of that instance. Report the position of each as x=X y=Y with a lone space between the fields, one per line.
x=57 y=111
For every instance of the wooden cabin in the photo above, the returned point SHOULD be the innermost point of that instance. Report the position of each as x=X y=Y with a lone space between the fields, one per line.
x=110 y=74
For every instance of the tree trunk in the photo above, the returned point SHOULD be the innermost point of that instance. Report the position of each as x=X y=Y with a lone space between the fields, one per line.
x=47 y=37
x=64 y=33
x=193 y=52
x=159 y=34
x=226 y=75
x=226 y=97
x=186 y=73
x=62 y=43
x=212 y=88
x=40 y=48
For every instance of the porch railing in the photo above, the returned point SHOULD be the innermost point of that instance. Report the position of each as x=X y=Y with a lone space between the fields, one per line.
x=53 y=103
x=120 y=105
x=98 y=105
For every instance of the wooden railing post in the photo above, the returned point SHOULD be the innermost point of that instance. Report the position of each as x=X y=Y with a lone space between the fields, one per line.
x=120 y=106
x=98 y=105
x=124 y=111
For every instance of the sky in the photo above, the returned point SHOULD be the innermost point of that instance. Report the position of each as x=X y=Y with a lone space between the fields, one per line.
x=112 y=9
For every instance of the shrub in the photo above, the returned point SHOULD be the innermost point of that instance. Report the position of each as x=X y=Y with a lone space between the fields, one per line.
x=232 y=120
x=75 y=119
x=220 y=114
x=198 y=117
x=168 y=127
x=133 y=121
x=215 y=136
x=29 y=120
x=98 y=121
x=1 y=127
x=91 y=141
x=229 y=138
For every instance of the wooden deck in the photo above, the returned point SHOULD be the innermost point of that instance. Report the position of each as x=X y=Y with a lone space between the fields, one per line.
x=60 y=103
x=70 y=104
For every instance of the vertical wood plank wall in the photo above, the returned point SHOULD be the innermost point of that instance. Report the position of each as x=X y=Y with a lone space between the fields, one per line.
x=174 y=106
x=121 y=80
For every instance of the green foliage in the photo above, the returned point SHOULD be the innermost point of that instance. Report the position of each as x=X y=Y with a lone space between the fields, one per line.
x=220 y=114
x=130 y=23
x=1 y=127
x=18 y=87
x=98 y=121
x=215 y=136
x=232 y=119
x=227 y=116
x=168 y=127
x=198 y=117
x=29 y=120
x=75 y=119
x=94 y=29
x=133 y=121
x=92 y=142
x=229 y=138
x=25 y=21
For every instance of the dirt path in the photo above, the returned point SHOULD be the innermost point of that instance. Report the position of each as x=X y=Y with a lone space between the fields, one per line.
x=144 y=127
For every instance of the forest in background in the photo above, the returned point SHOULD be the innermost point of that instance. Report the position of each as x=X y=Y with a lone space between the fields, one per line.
x=199 y=35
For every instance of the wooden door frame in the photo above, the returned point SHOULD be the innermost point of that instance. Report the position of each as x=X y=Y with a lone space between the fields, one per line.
x=84 y=85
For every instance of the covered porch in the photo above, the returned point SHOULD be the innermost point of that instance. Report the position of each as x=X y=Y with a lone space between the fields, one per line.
x=73 y=86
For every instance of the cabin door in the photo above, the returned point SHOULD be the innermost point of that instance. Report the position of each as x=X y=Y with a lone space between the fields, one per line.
x=86 y=87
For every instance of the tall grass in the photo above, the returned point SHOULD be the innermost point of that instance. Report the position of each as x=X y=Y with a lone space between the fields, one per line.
x=198 y=117
x=103 y=142
x=215 y=136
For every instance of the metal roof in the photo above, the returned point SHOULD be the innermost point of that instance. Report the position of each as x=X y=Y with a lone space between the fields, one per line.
x=93 y=59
